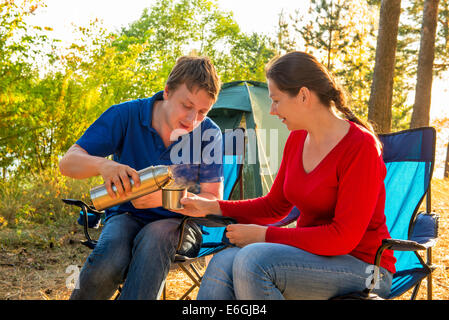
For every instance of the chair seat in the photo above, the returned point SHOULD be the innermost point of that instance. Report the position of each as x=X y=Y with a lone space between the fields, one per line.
x=405 y=280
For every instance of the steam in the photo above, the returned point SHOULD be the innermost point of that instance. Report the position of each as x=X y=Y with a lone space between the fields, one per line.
x=186 y=176
x=180 y=177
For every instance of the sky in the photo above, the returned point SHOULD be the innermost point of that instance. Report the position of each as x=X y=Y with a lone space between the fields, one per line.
x=252 y=16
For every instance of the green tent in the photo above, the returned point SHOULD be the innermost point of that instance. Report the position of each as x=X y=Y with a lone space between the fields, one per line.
x=247 y=104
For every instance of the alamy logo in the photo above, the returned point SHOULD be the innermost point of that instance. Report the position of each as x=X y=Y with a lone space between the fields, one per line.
x=373 y=279
x=259 y=145
x=72 y=281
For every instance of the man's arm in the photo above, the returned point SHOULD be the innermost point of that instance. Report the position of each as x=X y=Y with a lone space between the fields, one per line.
x=78 y=164
x=211 y=190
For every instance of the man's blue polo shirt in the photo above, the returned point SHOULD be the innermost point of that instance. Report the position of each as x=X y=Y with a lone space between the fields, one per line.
x=124 y=130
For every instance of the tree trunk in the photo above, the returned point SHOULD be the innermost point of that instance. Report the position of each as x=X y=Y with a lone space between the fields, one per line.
x=379 y=106
x=446 y=164
x=423 y=92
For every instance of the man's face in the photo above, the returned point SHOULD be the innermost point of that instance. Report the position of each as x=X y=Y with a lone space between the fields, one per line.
x=186 y=109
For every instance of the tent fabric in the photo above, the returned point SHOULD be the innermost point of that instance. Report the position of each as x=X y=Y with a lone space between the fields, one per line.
x=409 y=159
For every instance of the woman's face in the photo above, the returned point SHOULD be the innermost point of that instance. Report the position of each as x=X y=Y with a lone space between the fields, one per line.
x=287 y=108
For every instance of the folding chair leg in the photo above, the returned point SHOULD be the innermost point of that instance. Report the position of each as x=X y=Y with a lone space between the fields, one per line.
x=197 y=273
x=119 y=292
x=429 y=277
x=195 y=277
x=188 y=292
x=196 y=280
x=415 y=291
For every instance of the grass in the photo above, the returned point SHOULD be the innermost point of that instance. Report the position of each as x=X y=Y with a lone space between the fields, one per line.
x=35 y=257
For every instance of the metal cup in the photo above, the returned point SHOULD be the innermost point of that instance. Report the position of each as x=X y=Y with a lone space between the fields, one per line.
x=171 y=198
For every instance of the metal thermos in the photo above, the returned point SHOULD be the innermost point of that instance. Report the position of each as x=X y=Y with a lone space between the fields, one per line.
x=152 y=179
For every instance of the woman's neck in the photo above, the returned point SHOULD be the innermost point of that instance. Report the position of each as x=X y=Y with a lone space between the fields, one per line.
x=326 y=127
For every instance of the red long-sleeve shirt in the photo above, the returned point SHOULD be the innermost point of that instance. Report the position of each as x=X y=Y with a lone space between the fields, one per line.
x=341 y=200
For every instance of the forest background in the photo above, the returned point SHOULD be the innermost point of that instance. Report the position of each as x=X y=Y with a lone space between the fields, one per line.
x=51 y=91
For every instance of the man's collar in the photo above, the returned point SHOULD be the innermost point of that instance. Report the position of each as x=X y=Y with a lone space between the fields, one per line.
x=146 y=112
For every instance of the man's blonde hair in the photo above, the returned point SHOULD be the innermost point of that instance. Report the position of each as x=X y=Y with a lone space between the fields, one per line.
x=195 y=72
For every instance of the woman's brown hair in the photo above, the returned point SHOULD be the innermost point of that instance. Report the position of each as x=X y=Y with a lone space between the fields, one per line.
x=296 y=69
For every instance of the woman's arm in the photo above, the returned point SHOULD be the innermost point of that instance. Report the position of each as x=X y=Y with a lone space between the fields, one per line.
x=264 y=210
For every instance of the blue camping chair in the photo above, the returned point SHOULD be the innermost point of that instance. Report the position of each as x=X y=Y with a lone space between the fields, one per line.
x=213 y=227
x=409 y=157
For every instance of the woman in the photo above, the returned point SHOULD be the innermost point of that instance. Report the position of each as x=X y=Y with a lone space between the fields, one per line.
x=332 y=171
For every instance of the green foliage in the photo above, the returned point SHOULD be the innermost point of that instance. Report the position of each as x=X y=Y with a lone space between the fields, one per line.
x=341 y=35
x=43 y=114
x=442 y=40
x=249 y=57
x=27 y=126
x=36 y=198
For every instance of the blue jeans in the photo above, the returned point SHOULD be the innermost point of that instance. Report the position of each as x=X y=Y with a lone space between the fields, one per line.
x=276 y=271
x=137 y=253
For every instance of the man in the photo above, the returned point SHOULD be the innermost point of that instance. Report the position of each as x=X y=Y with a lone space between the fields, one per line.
x=139 y=239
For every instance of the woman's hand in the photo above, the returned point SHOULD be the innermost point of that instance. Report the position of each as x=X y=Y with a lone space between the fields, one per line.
x=196 y=206
x=244 y=234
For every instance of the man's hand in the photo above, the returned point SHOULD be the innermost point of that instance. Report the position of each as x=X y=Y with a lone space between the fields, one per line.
x=117 y=174
x=244 y=234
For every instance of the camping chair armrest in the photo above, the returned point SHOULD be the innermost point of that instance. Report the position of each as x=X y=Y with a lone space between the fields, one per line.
x=85 y=209
x=400 y=245
x=423 y=236
x=291 y=217
x=210 y=220
x=391 y=244
x=213 y=220
x=82 y=205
